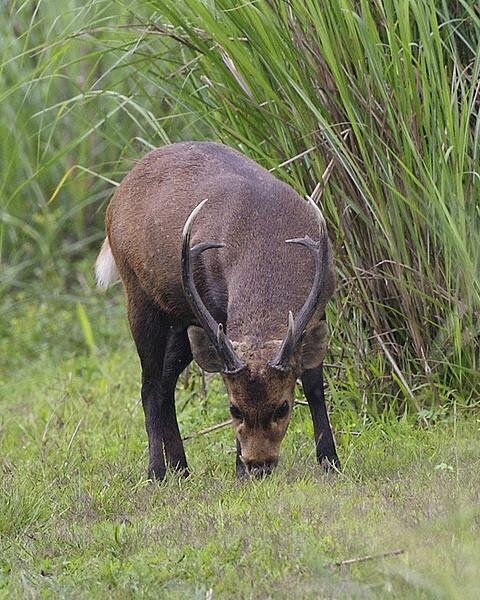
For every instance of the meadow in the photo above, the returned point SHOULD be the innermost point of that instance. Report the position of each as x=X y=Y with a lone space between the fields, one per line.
x=79 y=519
x=388 y=91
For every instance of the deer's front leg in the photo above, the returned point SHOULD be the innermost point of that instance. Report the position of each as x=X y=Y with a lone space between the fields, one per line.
x=312 y=381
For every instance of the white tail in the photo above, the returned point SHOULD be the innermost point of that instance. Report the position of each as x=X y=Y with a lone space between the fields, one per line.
x=106 y=270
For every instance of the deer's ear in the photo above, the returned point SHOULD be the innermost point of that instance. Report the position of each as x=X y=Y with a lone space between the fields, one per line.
x=314 y=346
x=203 y=350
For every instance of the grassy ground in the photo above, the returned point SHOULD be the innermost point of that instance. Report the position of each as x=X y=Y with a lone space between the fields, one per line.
x=78 y=519
x=91 y=88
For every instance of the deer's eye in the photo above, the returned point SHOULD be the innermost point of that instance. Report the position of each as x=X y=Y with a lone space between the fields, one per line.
x=236 y=412
x=281 y=411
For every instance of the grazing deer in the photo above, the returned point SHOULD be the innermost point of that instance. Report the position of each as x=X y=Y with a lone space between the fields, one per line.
x=260 y=255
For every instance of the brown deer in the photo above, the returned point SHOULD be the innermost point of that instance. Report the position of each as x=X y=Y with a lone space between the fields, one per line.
x=260 y=255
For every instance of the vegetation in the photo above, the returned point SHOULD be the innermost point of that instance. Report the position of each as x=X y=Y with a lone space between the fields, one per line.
x=388 y=90
x=400 y=79
x=78 y=519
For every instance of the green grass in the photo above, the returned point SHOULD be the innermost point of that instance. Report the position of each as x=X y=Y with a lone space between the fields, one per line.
x=75 y=111
x=78 y=518
x=88 y=90
x=288 y=79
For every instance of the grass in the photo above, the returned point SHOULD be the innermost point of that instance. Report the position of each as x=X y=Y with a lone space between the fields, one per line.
x=285 y=80
x=78 y=518
x=71 y=123
x=89 y=90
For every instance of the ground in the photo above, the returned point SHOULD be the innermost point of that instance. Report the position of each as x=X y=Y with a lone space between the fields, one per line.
x=78 y=518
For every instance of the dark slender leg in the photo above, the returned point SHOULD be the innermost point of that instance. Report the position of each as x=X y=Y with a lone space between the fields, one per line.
x=312 y=381
x=241 y=470
x=177 y=357
x=150 y=331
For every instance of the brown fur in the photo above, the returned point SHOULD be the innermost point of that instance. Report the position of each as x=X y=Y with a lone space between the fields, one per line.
x=250 y=285
x=248 y=209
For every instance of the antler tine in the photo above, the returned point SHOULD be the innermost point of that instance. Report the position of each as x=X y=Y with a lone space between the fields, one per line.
x=207 y=321
x=320 y=251
x=288 y=345
x=213 y=329
x=226 y=349
x=322 y=225
x=305 y=241
x=202 y=246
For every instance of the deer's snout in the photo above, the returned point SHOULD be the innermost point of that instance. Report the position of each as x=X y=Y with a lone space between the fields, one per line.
x=260 y=469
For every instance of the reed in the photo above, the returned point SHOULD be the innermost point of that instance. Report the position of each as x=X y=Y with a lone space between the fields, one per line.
x=389 y=90
x=283 y=80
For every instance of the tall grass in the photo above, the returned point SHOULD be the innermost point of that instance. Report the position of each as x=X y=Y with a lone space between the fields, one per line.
x=389 y=89
x=402 y=77
x=76 y=109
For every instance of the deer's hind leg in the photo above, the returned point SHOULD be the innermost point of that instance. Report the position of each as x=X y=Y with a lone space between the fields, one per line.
x=177 y=357
x=150 y=330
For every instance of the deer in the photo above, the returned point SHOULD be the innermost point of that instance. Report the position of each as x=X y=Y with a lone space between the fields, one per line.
x=223 y=263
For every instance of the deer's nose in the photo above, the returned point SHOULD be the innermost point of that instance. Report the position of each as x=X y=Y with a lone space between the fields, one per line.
x=260 y=469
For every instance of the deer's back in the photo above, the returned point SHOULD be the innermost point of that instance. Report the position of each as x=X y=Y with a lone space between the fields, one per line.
x=248 y=210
